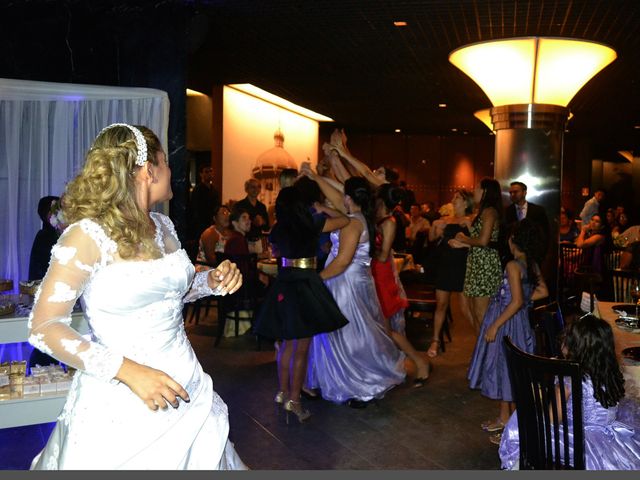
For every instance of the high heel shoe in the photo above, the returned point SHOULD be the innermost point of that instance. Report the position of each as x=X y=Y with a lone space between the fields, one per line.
x=279 y=398
x=297 y=410
x=433 y=352
x=420 y=381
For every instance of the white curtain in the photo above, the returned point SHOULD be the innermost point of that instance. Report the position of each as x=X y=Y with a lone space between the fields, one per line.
x=45 y=131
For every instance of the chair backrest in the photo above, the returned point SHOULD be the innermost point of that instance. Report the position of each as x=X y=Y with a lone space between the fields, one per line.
x=547 y=322
x=570 y=259
x=550 y=439
x=612 y=259
x=621 y=281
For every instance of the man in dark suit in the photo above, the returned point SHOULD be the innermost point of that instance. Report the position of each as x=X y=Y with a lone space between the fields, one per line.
x=520 y=209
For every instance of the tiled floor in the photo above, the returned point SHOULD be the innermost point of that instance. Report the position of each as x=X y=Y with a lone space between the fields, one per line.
x=434 y=427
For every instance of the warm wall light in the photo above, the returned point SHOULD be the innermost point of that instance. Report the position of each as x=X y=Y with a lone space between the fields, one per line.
x=195 y=93
x=532 y=69
x=397 y=130
x=400 y=23
x=442 y=105
x=485 y=117
x=626 y=154
x=281 y=102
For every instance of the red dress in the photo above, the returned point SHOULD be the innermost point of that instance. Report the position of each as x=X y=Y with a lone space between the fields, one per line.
x=386 y=286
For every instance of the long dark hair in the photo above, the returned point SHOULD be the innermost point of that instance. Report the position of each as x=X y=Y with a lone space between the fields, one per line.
x=391 y=195
x=589 y=341
x=360 y=192
x=526 y=235
x=293 y=216
x=491 y=197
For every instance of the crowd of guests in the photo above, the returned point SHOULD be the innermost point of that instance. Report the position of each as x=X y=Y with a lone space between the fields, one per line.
x=602 y=232
x=335 y=308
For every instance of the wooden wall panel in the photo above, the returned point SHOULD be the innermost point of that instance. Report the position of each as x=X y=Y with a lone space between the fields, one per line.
x=423 y=167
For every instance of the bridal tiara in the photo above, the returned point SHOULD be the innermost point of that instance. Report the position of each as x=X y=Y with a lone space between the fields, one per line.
x=141 y=143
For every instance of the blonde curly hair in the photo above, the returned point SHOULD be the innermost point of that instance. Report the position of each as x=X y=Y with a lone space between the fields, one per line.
x=105 y=191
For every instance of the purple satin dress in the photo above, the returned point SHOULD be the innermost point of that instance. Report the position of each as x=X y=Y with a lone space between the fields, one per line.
x=359 y=360
x=488 y=369
x=611 y=435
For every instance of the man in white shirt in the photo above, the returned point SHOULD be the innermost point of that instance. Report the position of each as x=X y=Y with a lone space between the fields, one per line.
x=592 y=206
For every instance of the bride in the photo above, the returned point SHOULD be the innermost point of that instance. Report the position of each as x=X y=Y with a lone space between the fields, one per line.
x=140 y=399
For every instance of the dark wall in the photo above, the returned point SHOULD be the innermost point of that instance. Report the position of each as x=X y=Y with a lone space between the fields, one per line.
x=131 y=44
x=435 y=166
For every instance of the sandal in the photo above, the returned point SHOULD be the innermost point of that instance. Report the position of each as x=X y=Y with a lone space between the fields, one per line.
x=495 y=438
x=495 y=425
x=433 y=352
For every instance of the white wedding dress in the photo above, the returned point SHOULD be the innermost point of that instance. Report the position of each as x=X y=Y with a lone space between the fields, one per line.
x=134 y=309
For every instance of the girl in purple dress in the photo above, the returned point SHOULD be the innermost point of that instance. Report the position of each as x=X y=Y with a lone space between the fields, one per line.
x=611 y=421
x=507 y=315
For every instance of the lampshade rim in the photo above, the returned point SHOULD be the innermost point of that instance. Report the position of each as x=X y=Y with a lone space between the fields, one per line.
x=531 y=37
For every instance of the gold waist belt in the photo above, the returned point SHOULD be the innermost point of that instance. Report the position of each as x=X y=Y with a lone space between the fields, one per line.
x=298 y=262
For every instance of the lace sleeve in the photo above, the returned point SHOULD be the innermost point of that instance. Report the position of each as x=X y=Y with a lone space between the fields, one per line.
x=200 y=287
x=74 y=259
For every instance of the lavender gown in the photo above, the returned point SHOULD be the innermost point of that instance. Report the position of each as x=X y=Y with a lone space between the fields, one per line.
x=611 y=435
x=359 y=360
x=488 y=368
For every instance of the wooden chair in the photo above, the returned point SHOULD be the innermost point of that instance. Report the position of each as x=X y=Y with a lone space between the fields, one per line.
x=569 y=259
x=548 y=323
x=246 y=299
x=612 y=259
x=621 y=282
x=549 y=438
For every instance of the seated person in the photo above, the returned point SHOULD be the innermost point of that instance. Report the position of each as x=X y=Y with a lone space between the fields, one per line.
x=593 y=242
x=213 y=239
x=610 y=419
x=568 y=229
x=237 y=250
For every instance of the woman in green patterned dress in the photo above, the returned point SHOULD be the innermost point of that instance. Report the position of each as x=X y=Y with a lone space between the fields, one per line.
x=484 y=272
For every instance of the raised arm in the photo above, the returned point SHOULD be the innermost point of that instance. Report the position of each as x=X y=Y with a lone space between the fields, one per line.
x=360 y=167
x=338 y=169
x=335 y=220
x=332 y=194
x=594 y=240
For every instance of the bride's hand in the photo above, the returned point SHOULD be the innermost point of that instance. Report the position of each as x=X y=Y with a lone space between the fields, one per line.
x=154 y=387
x=226 y=277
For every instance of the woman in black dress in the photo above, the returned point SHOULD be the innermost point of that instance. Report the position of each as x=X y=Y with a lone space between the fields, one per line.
x=298 y=305
x=451 y=263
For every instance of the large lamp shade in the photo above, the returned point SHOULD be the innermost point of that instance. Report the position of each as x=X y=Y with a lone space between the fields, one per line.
x=532 y=69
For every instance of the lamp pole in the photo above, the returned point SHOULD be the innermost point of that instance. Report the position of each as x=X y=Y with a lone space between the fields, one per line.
x=529 y=139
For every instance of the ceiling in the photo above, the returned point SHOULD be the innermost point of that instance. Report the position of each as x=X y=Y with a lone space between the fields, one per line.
x=347 y=60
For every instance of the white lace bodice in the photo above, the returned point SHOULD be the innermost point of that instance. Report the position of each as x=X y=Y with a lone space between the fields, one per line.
x=134 y=307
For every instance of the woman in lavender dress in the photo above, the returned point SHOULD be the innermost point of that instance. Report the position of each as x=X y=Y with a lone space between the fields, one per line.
x=358 y=362
x=507 y=315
